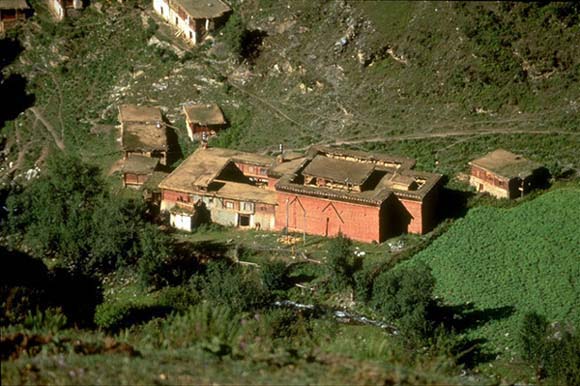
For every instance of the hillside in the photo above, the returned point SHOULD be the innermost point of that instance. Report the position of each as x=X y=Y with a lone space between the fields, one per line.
x=475 y=75
x=517 y=260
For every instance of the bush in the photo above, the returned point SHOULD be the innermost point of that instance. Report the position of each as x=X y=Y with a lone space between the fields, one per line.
x=116 y=316
x=404 y=296
x=214 y=327
x=228 y=285
x=274 y=275
x=363 y=282
x=341 y=263
x=179 y=298
x=552 y=350
x=50 y=320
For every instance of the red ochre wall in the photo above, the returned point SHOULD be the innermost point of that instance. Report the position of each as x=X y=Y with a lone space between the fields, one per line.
x=170 y=195
x=328 y=218
x=415 y=209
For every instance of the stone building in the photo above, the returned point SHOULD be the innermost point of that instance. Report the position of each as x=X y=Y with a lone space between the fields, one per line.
x=506 y=175
x=193 y=19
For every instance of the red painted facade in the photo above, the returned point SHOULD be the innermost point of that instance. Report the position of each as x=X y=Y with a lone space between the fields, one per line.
x=323 y=217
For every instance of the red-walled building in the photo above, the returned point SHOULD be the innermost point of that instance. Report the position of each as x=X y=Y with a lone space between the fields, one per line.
x=366 y=197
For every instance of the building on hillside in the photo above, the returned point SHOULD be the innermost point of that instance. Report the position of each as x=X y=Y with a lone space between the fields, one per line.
x=366 y=197
x=203 y=118
x=506 y=175
x=12 y=12
x=65 y=8
x=137 y=169
x=193 y=19
x=143 y=132
x=224 y=186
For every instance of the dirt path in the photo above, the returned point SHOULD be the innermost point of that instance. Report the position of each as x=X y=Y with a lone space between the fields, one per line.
x=49 y=127
x=443 y=134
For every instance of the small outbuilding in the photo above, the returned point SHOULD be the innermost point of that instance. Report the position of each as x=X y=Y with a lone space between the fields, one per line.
x=504 y=174
x=65 y=8
x=203 y=118
x=193 y=19
x=137 y=170
x=12 y=12
x=143 y=132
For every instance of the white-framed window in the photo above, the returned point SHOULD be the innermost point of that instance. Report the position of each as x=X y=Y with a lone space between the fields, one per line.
x=247 y=206
x=229 y=204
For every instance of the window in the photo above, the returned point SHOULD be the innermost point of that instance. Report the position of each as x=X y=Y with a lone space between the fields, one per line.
x=176 y=21
x=161 y=9
x=229 y=204
x=247 y=206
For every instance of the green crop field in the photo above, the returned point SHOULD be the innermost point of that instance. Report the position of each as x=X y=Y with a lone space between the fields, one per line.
x=526 y=257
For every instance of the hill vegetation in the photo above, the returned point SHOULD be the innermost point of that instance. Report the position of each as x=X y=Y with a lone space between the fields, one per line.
x=440 y=82
x=520 y=260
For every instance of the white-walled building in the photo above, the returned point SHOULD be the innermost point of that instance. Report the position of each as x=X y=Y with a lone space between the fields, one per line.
x=194 y=19
x=64 y=8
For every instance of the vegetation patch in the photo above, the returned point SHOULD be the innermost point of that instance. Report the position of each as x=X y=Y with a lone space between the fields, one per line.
x=525 y=257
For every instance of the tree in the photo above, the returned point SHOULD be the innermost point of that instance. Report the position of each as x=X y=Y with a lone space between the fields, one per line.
x=404 y=296
x=341 y=262
x=68 y=213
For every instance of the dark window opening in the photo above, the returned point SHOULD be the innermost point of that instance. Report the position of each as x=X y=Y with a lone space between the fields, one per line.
x=244 y=221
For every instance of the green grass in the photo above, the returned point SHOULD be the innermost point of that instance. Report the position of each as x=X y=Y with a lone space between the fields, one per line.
x=524 y=257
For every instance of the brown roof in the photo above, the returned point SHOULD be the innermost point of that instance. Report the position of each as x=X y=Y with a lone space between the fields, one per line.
x=506 y=164
x=143 y=137
x=338 y=170
x=381 y=161
x=140 y=165
x=244 y=192
x=391 y=168
x=204 y=9
x=134 y=113
x=14 y=4
x=204 y=165
x=209 y=114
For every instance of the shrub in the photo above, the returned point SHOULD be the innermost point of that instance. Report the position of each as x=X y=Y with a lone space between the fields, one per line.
x=179 y=298
x=115 y=316
x=50 y=320
x=214 y=327
x=274 y=275
x=404 y=296
x=227 y=284
x=341 y=263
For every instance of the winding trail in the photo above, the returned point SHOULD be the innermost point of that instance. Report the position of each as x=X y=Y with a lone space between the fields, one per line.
x=49 y=127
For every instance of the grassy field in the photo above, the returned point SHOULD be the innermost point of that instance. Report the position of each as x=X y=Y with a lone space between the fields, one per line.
x=506 y=262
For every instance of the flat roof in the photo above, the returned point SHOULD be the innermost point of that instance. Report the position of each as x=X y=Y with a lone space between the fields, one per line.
x=506 y=164
x=144 y=137
x=244 y=192
x=204 y=165
x=14 y=4
x=338 y=170
x=204 y=114
x=134 y=113
x=387 y=167
x=206 y=9
x=140 y=165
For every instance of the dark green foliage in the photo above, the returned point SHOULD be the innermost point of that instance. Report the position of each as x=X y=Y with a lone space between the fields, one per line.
x=404 y=297
x=233 y=33
x=274 y=275
x=229 y=285
x=532 y=334
x=363 y=281
x=29 y=288
x=551 y=349
x=179 y=298
x=341 y=263
x=67 y=213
